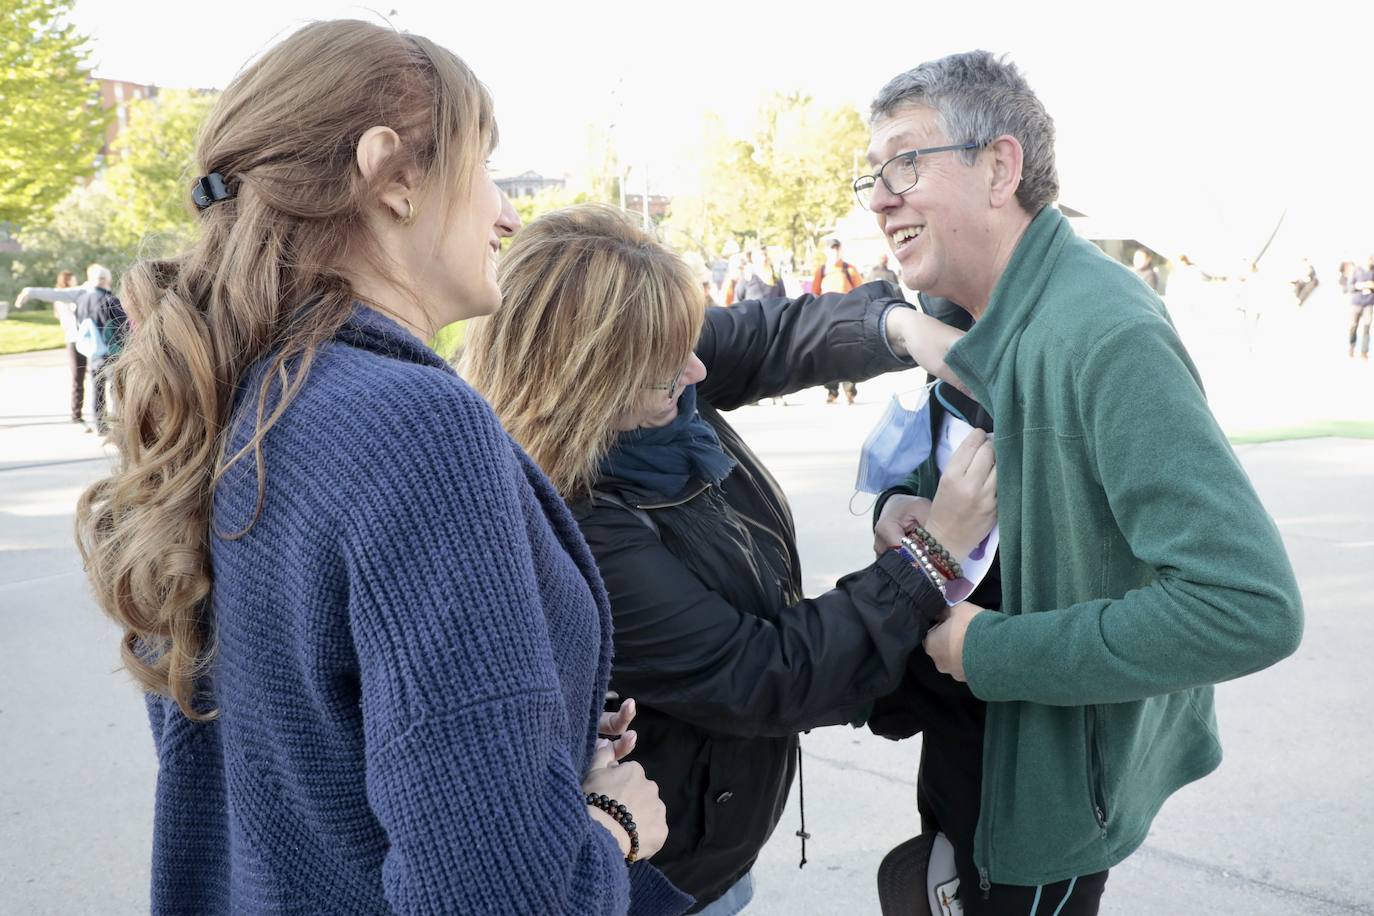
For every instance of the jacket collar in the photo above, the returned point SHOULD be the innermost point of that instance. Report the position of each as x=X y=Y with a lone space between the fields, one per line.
x=978 y=357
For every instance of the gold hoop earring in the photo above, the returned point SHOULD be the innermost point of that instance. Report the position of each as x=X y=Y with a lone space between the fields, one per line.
x=410 y=214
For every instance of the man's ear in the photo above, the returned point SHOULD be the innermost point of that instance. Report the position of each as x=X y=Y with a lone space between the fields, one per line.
x=1006 y=158
x=376 y=147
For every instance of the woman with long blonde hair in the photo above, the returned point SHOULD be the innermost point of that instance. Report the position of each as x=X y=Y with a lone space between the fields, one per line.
x=606 y=366
x=374 y=644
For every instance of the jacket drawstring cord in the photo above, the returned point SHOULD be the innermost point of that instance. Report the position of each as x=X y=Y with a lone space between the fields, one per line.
x=801 y=805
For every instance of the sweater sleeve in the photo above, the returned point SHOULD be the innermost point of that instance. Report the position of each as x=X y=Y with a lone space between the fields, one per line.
x=767 y=348
x=469 y=768
x=52 y=294
x=1223 y=601
x=687 y=651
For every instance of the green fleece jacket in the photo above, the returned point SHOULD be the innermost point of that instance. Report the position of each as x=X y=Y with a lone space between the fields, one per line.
x=1138 y=565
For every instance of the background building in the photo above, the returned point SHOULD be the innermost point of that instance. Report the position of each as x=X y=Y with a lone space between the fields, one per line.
x=527 y=184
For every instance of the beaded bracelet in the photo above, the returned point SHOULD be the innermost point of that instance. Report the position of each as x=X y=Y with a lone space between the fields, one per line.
x=621 y=815
x=923 y=560
x=938 y=553
x=919 y=560
x=919 y=550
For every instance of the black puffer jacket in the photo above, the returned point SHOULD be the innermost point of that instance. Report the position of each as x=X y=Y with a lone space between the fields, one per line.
x=713 y=638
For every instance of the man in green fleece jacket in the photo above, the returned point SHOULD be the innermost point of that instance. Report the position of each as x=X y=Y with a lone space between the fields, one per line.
x=1138 y=566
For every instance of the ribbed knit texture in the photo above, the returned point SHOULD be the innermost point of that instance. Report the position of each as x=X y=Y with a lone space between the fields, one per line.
x=413 y=645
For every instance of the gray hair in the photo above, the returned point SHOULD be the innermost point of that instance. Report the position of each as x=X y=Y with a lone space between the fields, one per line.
x=99 y=275
x=980 y=97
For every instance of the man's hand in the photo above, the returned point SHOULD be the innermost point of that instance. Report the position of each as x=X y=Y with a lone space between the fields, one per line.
x=899 y=514
x=945 y=641
x=965 y=507
x=927 y=340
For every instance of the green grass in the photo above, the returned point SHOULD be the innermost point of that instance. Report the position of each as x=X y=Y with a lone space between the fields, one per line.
x=1346 y=429
x=34 y=328
x=37 y=329
x=449 y=339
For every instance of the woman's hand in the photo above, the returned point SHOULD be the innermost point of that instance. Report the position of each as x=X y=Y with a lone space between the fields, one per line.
x=965 y=507
x=614 y=730
x=900 y=513
x=627 y=784
x=927 y=340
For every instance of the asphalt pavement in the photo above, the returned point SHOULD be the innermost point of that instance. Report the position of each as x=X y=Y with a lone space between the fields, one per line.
x=1285 y=826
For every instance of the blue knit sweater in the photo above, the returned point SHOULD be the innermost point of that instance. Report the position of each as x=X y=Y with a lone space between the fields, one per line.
x=413 y=645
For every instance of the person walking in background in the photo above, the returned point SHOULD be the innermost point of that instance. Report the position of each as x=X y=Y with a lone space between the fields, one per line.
x=374 y=645
x=1362 y=305
x=756 y=278
x=836 y=275
x=63 y=297
x=881 y=271
x=102 y=338
x=1305 y=283
x=1143 y=263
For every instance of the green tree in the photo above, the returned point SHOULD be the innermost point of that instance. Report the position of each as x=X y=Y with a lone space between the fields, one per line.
x=51 y=123
x=150 y=170
x=784 y=184
x=70 y=236
x=138 y=208
x=533 y=206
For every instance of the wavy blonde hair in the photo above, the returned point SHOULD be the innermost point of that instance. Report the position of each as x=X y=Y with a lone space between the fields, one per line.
x=594 y=309
x=264 y=280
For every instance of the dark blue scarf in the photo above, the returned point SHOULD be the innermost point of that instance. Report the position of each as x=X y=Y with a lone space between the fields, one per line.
x=664 y=459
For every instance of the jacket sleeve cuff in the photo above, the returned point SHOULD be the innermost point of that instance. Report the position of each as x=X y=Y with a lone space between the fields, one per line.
x=917 y=589
x=882 y=331
x=878 y=351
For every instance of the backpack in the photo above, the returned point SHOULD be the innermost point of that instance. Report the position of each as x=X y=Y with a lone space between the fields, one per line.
x=100 y=326
x=845 y=268
x=90 y=341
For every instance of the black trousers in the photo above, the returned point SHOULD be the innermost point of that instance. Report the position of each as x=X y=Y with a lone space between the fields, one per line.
x=99 y=381
x=1360 y=320
x=1075 y=897
x=76 y=361
x=851 y=390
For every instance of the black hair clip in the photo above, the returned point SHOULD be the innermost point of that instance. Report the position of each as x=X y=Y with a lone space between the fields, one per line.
x=209 y=190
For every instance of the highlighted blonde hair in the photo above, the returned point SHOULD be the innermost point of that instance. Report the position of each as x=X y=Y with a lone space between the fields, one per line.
x=265 y=280
x=594 y=310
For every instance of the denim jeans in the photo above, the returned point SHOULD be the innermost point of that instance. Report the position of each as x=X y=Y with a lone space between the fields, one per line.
x=732 y=901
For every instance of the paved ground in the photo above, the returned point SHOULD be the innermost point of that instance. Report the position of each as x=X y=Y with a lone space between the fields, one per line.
x=1286 y=826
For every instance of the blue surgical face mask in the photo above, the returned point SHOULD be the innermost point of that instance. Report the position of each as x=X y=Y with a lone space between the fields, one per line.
x=896 y=446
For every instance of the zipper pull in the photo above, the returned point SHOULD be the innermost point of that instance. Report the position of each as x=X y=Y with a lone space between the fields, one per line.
x=984 y=883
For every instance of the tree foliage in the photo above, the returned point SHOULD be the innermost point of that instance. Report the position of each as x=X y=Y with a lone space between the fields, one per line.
x=532 y=206
x=140 y=207
x=51 y=123
x=150 y=173
x=75 y=233
x=785 y=183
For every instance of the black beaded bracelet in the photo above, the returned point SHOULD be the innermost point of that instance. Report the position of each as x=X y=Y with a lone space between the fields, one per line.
x=938 y=549
x=621 y=815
